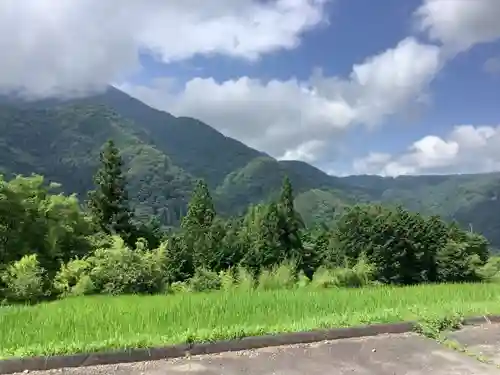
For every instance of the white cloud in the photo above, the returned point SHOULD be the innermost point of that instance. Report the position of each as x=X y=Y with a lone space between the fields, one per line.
x=72 y=46
x=307 y=151
x=492 y=66
x=460 y=24
x=466 y=149
x=52 y=46
x=293 y=119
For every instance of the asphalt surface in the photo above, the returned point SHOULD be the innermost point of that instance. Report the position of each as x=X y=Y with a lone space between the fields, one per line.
x=407 y=354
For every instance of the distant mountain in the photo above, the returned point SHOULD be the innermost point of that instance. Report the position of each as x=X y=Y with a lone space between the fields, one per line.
x=165 y=154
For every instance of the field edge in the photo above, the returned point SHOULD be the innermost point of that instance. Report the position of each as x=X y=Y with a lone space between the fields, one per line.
x=13 y=365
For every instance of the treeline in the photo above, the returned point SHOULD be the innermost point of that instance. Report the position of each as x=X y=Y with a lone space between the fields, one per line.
x=53 y=246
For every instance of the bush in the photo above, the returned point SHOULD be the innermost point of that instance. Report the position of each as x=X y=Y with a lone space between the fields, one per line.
x=244 y=279
x=178 y=287
x=155 y=268
x=490 y=272
x=455 y=263
x=228 y=280
x=281 y=277
x=343 y=277
x=204 y=280
x=73 y=279
x=303 y=280
x=24 y=280
x=323 y=278
x=118 y=269
x=360 y=275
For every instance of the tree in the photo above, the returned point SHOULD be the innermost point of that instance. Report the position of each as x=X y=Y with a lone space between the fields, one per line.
x=197 y=225
x=400 y=244
x=290 y=223
x=33 y=219
x=108 y=203
x=201 y=211
x=260 y=236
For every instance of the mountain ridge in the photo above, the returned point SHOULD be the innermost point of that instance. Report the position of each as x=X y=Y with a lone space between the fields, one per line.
x=165 y=154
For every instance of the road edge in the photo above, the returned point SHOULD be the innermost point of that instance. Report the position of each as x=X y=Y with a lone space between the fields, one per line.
x=9 y=366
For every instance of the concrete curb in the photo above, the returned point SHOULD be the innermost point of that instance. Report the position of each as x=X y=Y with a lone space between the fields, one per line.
x=10 y=366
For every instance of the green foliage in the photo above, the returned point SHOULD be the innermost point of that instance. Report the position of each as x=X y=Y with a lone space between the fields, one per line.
x=73 y=278
x=433 y=326
x=205 y=280
x=290 y=225
x=491 y=270
x=455 y=263
x=228 y=280
x=164 y=155
x=268 y=248
x=362 y=274
x=260 y=235
x=178 y=287
x=197 y=227
x=34 y=219
x=108 y=203
x=281 y=277
x=119 y=269
x=398 y=243
x=244 y=279
x=24 y=280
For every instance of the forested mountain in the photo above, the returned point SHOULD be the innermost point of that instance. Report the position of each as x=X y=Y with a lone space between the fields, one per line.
x=165 y=154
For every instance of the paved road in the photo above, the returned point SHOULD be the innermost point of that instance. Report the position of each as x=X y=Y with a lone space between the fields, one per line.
x=407 y=354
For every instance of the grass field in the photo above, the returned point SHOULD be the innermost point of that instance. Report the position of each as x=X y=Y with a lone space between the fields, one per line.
x=99 y=323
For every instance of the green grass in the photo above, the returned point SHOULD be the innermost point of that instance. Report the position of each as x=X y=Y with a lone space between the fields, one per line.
x=102 y=323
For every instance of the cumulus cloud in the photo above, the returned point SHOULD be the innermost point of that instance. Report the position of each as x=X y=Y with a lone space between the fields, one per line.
x=492 y=66
x=63 y=47
x=293 y=119
x=460 y=24
x=466 y=149
x=70 y=47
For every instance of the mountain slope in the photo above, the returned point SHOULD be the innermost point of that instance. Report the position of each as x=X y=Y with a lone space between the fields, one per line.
x=192 y=145
x=164 y=154
x=63 y=144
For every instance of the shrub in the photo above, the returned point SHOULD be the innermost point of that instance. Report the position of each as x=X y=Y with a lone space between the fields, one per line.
x=155 y=268
x=84 y=286
x=24 y=280
x=455 y=263
x=118 y=269
x=302 y=280
x=323 y=278
x=204 y=280
x=73 y=278
x=281 y=277
x=490 y=272
x=178 y=287
x=244 y=279
x=360 y=275
x=228 y=280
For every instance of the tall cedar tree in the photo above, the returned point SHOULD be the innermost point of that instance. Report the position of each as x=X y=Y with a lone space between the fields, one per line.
x=201 y=211
x=108 y=203
x=197 y=225
x=290 y=223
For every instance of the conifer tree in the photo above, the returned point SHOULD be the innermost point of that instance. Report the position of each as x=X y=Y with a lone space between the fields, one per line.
x=201 y=211
x=290 y=223
x=197 y=225
x=108 y=203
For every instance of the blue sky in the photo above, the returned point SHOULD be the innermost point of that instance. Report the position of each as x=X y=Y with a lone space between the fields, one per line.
x=405 y=87
x=462 y=93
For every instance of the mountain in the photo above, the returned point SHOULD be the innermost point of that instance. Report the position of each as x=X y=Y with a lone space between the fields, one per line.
x=165 y=154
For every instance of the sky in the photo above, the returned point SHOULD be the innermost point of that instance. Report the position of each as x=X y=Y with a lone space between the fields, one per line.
x=386 y=87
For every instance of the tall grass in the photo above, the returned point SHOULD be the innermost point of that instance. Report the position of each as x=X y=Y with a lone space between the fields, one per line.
x=102 y=323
